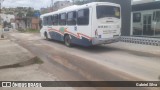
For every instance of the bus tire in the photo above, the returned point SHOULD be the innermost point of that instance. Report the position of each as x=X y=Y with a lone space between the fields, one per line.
x=67 y=41
x=46 y=36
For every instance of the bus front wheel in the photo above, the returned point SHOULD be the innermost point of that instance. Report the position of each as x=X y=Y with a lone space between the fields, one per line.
x=67 y=41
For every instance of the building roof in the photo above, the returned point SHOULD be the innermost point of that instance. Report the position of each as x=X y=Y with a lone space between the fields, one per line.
x=146 y=6
x=134 y=2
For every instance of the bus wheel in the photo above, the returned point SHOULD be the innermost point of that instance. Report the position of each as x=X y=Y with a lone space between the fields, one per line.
x=67 y=41
x=46 y=36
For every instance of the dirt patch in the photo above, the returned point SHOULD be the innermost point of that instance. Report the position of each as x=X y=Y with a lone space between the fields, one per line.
x=32 y=61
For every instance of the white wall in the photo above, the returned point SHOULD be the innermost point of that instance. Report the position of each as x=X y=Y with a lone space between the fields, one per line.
x=7 y=17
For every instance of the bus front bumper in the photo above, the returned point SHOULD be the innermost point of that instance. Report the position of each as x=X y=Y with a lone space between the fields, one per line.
x=97 y=41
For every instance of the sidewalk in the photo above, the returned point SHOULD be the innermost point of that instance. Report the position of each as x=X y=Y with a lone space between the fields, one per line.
x=11 y=54
x=148 y=49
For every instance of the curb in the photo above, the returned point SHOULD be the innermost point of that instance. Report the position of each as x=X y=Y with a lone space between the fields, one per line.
x=141 y=40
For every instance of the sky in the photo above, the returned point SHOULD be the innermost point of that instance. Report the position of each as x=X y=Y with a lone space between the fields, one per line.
x=37 y=4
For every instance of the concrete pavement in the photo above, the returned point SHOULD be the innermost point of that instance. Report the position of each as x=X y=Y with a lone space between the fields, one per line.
x=18 y=64
x=28 y=73
x=140 y=61
x=12 y=53
x=144 y=49
x=93 y=63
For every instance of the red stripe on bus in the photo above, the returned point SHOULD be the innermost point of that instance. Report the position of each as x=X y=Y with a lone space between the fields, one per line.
x=78 y=35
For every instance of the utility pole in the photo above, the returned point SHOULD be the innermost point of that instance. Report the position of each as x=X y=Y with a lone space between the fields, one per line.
x=52 y=4
x=2 y=36
x=0 y=7
x=1 y=1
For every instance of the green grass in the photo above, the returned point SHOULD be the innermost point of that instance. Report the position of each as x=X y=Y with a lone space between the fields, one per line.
x=30 y=31
x=38 y=60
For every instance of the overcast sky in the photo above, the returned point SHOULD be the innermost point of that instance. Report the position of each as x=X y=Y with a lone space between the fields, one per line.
x=37 y=4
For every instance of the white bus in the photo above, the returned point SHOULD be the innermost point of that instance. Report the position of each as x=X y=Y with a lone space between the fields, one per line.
x=90 y=24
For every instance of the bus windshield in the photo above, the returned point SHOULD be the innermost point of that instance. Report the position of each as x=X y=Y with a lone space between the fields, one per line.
x=107 y=11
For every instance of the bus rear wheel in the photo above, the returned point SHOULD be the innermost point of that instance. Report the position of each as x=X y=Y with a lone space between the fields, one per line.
x=67 y=41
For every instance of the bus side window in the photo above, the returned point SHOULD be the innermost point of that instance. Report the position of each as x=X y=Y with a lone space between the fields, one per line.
x=45 y=21
x=83 y=17
x=71 y=18
x=55 y=20
x=49 y=20
x=62 y=19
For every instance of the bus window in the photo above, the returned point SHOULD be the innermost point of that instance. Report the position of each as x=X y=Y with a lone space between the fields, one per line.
x=55 y=20
x=62 y=19
x=49 y=20
x=107 y=11
x=83 y=17
x=71 y=18
x=45 y=21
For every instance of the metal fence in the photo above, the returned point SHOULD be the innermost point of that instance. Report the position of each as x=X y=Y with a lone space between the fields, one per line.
x=141 y=40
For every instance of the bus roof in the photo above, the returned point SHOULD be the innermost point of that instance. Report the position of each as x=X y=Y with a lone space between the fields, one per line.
x=76 y=7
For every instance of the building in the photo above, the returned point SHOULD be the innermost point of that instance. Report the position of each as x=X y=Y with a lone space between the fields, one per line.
x=25 y=17
x=46 y=10
x=142 y=1
x=146 y=18
x=61 y=4
x=15 y=11
x=35 y=23
x=56 y=6
x=7 y=17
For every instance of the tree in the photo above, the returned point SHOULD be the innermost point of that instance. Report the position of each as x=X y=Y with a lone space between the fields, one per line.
x=30 y=13
x=20 y=14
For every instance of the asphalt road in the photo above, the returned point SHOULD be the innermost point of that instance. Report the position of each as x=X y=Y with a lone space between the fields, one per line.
x=91 y=63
